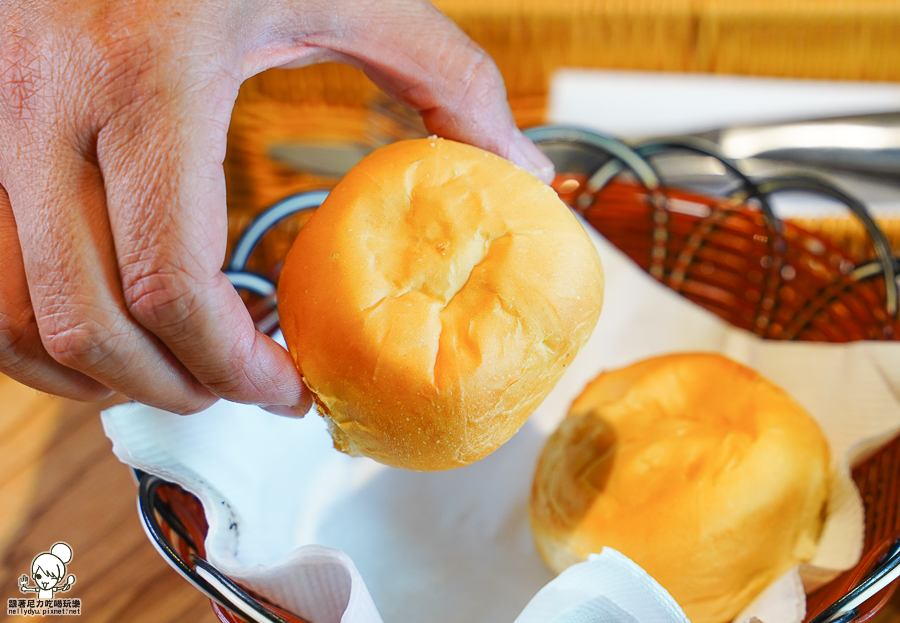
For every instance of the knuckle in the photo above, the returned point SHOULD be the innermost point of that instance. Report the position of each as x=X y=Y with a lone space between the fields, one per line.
x=161 y=299
x=78 y=343
x=195 y=405
x=131 y=70
x=13 y=331
x=228 y=383
x=230 y=378
x=21 y=71
x=184 y=400
x=482 y=67
x=482 y=79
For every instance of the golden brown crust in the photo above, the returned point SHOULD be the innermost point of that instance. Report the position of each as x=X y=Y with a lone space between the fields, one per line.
x=697 y=468
x=434 y=300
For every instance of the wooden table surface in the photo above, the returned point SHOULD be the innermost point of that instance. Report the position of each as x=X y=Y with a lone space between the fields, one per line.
x=59 y=481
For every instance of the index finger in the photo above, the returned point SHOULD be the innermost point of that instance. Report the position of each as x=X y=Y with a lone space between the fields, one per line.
x=162 y=166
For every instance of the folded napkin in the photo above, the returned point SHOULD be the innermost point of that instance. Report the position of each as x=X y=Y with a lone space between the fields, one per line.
x=608 y=588
x=334 y=538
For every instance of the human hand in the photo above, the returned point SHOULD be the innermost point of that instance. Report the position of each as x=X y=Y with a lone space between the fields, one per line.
x=113 y=121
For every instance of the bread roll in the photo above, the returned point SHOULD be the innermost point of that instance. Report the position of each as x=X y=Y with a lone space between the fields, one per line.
x=434 y=300
x=704 y=473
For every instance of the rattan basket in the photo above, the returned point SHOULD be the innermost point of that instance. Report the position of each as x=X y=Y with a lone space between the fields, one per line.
x=727 y=252
x=733 y=256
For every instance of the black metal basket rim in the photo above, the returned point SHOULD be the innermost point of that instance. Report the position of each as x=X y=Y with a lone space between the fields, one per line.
x=222 y=590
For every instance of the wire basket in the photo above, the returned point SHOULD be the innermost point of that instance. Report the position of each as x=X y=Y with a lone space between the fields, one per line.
x=713 y=238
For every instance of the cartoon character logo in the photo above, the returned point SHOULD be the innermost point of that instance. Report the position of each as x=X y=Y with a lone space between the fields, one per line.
x=47 y=571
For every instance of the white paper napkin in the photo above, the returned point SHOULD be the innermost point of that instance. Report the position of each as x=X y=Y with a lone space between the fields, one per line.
x=335 y=538
x=608 y=588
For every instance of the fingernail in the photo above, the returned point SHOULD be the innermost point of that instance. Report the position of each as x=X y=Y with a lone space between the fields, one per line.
x=533 y=159
x=297 y=411
x=284 y=410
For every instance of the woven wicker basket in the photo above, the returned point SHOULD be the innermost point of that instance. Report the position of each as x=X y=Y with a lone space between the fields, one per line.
x=729 y=262
x=775 y=279
x=792 y=280
x=727 y=253
x=732 y=256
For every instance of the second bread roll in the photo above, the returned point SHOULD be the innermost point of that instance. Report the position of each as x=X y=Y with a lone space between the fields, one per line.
x=434 y=300
x=707 y=475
